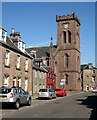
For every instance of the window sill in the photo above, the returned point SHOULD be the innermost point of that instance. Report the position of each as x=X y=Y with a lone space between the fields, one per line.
x=18 y=69
x=26 y=70
x=8 y=66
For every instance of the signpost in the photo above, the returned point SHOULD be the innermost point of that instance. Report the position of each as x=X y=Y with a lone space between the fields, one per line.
x=62 y=82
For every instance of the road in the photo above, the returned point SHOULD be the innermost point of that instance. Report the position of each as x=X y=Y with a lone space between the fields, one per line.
x=76 y=105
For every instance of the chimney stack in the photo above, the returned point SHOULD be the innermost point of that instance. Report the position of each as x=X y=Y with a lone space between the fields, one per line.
x=90 y=65
x=12 y=30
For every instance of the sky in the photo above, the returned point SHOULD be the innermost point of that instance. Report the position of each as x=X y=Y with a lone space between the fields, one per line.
x=36 y=22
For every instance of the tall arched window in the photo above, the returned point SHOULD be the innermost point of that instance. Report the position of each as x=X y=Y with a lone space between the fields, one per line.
x=66 y=60
x=67 y=79
x=64 y=36
x=69 y=37
x=78 y=63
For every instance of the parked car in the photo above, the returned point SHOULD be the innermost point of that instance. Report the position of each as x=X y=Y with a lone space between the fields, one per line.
x=60 y=92
x=94 y=90
x=15 y=96
x=46 y=93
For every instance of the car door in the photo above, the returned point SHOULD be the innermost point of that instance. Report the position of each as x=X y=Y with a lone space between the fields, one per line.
x=25 y=96
x=53 y=93
x=50 y=92
x=21 y=95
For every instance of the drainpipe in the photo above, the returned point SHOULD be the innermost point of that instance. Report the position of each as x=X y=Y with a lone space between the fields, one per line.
x=32 y=78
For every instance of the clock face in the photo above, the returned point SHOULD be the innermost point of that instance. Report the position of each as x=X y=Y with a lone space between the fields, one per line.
x=65 y=26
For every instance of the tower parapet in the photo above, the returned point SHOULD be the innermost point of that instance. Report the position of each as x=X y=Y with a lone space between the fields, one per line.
x=68 y=17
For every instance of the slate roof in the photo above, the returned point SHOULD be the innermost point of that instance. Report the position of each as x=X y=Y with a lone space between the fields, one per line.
x=9 y=44
x=15 y=39
x=2 y=28
x=35 y=66
x=41 y=51
x=86 y=66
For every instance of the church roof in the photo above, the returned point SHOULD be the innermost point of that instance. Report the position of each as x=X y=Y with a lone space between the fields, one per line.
x=41 y=51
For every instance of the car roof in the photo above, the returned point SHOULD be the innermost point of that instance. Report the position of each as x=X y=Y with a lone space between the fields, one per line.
x=45 y=88
x=58 y=88
x=4 y=87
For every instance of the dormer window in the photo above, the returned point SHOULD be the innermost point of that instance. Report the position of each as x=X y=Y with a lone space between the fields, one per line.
x=23 y=47
x=2 y=34
x=19 y=45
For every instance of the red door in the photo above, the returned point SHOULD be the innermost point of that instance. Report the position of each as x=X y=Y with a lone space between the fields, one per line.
x=13 y=83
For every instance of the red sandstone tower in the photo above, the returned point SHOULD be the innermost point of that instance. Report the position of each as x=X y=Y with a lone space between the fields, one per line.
x=67 y=54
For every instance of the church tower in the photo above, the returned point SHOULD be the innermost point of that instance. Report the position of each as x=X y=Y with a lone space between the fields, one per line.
x=67 y=54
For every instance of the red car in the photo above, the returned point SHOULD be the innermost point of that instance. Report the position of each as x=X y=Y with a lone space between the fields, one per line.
x=60 y=92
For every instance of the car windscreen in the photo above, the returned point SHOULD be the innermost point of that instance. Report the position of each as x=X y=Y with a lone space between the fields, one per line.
x=5 y=91
x=57 y=89
x=43 y=90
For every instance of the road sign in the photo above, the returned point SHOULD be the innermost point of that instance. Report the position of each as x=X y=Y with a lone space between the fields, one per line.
x=62 y=82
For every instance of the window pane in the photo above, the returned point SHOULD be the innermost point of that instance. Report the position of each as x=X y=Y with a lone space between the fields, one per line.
x=57 y=89
x=69 y=36
x=26 y=85
x=43 y=90
x=64 y=37
x=18 y=61
x=7 y=58
x=66 y=60
x=26 y=65
x=4 y=91
x=5 y=81
x=66 y=79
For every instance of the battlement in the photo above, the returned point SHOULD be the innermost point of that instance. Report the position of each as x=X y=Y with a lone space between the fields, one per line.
x=68 y=17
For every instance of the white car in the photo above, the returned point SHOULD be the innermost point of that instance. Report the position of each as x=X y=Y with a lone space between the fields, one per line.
x=46 y=93
x=94 y=90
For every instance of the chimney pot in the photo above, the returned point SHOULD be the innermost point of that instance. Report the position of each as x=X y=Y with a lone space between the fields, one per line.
x=90 y=65
x=12 y=30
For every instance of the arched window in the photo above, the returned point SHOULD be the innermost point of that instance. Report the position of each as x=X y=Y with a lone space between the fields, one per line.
x=67 y=79
x=66 y=60
x=69 y=37
x=64 y=36
x=78 y=63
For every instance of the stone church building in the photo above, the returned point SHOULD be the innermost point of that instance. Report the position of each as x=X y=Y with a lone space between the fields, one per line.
x=65 y=56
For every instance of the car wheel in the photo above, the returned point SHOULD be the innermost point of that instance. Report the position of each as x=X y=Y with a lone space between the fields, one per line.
x=62 y=95
x=55 y=96
x=29 y=102
x=50 y=97
x=17 y=104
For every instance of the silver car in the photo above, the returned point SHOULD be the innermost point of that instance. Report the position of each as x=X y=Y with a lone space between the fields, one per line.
x=46 y=93
x=15 y=96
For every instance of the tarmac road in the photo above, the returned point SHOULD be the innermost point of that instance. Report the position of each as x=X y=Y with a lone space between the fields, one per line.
x=78 y=105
